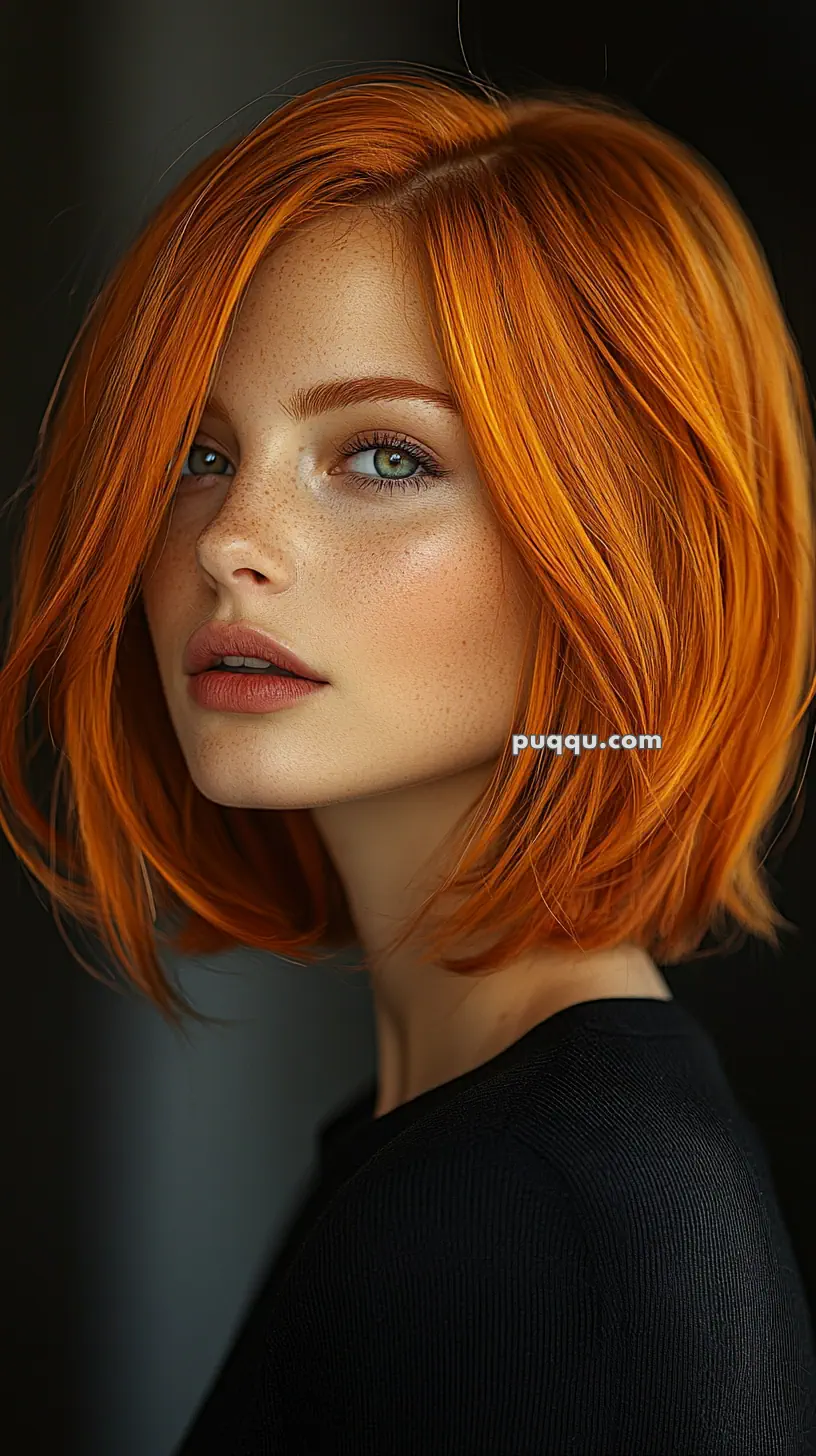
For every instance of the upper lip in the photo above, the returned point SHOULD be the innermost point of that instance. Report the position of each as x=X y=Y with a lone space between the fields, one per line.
x=236 y=639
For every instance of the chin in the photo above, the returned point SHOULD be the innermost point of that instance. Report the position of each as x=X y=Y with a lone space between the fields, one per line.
x=255 y=786
x=227 y=790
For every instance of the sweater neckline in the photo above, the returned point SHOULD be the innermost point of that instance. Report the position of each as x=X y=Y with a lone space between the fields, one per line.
x=356 y=1131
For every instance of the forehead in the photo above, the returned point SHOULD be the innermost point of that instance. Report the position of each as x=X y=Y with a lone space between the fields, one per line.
x=341 y=294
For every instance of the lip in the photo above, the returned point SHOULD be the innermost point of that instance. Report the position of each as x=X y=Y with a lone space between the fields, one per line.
x=238 y=639
x=255 y=692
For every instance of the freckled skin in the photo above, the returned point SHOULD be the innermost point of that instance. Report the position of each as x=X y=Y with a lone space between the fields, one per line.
x=410 y=604
x=397 y=599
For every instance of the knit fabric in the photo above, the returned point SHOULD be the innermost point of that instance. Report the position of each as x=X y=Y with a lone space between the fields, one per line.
x=574 y=1250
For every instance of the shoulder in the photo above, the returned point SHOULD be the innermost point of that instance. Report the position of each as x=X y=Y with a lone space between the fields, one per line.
x=649 y=1228
x=615 y=1284
x=647 y=1197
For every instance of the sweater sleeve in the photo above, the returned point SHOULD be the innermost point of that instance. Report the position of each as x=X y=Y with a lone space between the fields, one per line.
x=476 y=1301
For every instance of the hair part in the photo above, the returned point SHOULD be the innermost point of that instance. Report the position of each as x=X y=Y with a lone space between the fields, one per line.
x=638 y=411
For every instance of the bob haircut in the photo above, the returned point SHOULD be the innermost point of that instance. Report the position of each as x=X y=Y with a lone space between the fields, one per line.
x=639 y=415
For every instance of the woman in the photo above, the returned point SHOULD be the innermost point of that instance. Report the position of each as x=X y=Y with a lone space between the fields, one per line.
x=420 y=438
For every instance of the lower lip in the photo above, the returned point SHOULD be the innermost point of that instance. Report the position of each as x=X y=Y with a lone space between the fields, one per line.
x=251 y=692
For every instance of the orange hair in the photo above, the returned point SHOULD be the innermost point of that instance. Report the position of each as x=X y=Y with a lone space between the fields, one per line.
x=638 y=412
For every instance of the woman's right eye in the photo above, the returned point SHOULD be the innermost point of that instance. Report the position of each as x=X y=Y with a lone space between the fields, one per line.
x=207 y=459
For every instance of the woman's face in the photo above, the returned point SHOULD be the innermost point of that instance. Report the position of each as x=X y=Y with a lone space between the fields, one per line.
x=408 y=602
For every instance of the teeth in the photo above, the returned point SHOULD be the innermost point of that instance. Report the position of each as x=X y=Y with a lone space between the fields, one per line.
x=256 y=664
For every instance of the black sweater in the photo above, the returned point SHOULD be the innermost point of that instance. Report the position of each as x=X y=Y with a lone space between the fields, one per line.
x=573 y=1250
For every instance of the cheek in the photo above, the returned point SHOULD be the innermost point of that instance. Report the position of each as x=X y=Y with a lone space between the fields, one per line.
x=449 y=612
x=168 y=588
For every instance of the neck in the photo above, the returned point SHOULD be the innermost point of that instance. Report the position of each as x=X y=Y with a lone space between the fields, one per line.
x=432 y=1024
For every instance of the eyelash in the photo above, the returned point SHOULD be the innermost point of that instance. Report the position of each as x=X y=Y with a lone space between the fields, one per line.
x=376 y=440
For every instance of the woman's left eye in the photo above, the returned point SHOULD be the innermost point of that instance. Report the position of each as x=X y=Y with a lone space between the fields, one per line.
x=395 y=463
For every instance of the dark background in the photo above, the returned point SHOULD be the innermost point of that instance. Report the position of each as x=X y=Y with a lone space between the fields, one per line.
x=145 y=1180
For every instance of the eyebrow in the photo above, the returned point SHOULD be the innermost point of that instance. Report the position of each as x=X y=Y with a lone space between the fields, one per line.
x=334 y=394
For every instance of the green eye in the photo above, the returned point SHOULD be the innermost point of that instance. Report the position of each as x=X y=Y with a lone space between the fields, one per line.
x=208 y=458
